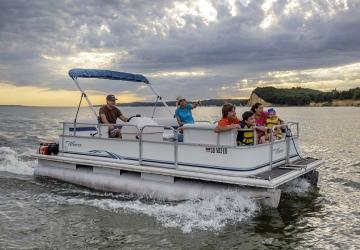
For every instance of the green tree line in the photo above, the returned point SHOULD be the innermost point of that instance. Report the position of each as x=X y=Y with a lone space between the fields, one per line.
x=303 y=96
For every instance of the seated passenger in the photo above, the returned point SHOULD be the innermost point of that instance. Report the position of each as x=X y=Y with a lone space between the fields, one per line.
x=271 y=121
x=183 y=113
x=260 y=118
x=108 y=115
x=229 y=120
x=247 y=137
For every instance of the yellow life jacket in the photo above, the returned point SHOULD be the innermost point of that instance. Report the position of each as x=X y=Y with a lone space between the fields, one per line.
x=271 y=122
x=248 y=136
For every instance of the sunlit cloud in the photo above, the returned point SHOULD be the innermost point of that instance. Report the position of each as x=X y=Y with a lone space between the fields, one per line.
x=178 y=14
x=178 y=74
x=267 y=22
x=95 y=60
x=325 y=79
x=341 y=77
x=315 y=8
x=201 y=8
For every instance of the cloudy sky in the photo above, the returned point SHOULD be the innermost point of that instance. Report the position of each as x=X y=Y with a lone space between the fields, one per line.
x=197 y=48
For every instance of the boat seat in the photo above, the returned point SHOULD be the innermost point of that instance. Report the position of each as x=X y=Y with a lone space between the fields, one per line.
x=151 y=129
x=167 y=122
x=203 y=133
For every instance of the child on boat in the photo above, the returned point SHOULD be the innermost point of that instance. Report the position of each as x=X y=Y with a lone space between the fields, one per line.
x=271 y=121
x=229 y=120
x=247 y=137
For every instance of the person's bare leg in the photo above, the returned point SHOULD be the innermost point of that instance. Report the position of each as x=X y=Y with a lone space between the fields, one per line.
x=262 y=139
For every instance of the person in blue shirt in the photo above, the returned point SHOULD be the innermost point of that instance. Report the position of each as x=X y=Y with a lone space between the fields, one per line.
x=183 y=112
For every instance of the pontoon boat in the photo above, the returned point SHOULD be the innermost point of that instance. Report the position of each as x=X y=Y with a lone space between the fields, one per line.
x=150 y=158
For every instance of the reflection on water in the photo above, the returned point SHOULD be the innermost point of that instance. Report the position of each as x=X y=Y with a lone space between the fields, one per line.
x=45 y=213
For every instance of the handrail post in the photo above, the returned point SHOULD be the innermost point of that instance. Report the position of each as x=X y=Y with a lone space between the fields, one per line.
x=62 y=140
x=287 y=139
x=74 y=128
x=255 y=136
x=99 y=130
x=141 y=145
x=176 y=149
x=271 y=148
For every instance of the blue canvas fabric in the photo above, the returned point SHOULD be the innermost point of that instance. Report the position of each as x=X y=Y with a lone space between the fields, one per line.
x=107 y=74
x=184 y=114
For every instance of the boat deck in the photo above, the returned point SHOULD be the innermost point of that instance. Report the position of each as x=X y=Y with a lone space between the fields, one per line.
x=286 y=168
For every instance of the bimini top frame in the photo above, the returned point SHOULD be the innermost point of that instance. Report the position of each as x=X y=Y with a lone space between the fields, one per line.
x=110 y=75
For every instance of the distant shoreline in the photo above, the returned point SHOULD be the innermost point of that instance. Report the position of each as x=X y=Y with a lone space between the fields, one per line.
x=131 y=106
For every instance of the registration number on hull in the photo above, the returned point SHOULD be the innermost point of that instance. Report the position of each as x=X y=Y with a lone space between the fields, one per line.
x=216 y=150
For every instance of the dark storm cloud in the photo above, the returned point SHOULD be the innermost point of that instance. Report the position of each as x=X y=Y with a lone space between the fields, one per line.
x=239 y=41
x=158 y=38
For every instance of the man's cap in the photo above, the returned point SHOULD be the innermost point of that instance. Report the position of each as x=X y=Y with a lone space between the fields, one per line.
x=111 y=98
x=271 y=110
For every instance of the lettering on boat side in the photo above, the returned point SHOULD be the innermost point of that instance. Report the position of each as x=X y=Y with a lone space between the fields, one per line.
x=278 y=151
x=216 y=150
x=72 y=144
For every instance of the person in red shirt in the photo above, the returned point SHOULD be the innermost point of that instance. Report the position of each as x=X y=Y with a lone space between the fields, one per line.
x=260 y=114
x=260 y=117
x=229 y=120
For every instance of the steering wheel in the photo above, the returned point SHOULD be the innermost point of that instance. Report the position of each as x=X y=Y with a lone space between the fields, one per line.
x=133 y=117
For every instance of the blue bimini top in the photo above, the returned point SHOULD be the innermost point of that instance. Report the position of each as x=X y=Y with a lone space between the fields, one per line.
x=107 y=74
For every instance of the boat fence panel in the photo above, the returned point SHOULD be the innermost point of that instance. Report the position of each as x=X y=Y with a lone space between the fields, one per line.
x=231 y=158
x=147 y=145
x=204 y=133
x=158 y=152
x=106 y=148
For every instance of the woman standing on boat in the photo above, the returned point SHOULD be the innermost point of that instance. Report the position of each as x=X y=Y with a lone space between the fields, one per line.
x=183 y=113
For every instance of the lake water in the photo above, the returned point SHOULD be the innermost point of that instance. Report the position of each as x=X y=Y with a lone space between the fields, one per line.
x=44 y=213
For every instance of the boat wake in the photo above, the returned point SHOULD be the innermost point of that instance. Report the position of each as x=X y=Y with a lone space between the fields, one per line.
x=211 y=213
x=299 y=186
x=13 y=162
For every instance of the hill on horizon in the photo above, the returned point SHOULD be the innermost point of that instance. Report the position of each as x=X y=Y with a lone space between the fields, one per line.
x=298 y=96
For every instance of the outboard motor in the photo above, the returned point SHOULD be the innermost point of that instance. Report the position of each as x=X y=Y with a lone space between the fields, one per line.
x=43 y=149
x=53 y=148
x=48 y=148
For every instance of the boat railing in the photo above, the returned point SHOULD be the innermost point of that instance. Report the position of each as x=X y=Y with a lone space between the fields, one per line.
x=289 y=126
x=203 y=121
x=140 y=132
x=97 y=126
x=141 y=141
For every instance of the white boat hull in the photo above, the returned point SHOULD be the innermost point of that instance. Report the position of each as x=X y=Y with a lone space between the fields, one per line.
x=163 y=183
x=144 y=162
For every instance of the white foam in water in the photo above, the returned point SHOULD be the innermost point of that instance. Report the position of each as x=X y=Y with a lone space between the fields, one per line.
x=297 y=186
x=210 y=213
x=10 y=162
